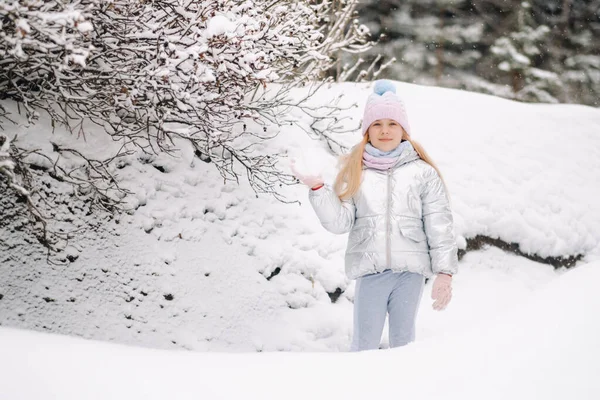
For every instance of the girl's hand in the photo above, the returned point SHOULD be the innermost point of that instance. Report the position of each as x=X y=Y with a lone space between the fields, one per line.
x=312 y=181
x=442 y=291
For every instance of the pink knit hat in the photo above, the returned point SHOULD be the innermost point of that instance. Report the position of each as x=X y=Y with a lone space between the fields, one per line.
x=384 y=103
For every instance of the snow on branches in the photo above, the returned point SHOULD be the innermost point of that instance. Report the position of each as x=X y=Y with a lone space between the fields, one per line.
x=203 y=71
x=216 y=74
x=40 y=42
x=7 y=167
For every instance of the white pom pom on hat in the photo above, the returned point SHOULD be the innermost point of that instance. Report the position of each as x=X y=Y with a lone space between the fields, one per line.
x=384 y=103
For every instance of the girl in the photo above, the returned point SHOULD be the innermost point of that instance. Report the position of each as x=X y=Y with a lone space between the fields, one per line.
x=391 y=198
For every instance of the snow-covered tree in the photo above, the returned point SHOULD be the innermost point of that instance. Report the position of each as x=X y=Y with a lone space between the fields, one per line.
x=582 y=72
x=516 y=54
x=449 y=43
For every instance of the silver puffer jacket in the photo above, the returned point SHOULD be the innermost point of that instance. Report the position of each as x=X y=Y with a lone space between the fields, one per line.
x=400 y=219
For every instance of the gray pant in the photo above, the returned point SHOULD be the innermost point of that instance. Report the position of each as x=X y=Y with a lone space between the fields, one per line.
x=396 y=293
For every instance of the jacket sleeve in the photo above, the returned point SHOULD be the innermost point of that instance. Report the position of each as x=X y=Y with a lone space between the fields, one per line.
x=439 y=225
x=337 y=216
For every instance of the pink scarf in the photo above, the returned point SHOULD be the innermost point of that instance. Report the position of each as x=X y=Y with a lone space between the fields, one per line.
x=382 y=160
x=380 y=163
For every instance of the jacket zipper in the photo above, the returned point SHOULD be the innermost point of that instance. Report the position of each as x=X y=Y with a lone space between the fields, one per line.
x=388 y=222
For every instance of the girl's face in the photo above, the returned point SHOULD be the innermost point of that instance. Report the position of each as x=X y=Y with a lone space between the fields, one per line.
x=385 y=134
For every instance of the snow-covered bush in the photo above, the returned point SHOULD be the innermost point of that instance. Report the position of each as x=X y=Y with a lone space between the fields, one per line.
x=198 y=71
x=215 y=74
x=42 y=43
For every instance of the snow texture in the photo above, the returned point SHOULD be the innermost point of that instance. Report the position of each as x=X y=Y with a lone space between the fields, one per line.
x=210 y=267
x=513 y=355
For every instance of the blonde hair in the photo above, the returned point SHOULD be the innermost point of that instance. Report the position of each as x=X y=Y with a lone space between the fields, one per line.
x=348 y=179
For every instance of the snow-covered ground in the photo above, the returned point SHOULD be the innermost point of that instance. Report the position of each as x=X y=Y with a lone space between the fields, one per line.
x=545 y=350
x=189 y=270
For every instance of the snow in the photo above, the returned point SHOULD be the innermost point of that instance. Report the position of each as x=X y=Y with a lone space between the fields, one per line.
x=7 y=167
x=23 y=25
x=85 y=27
x=65 y=18
x=219 y=25
x=78 y=57
x=209 y=267
x=542 y=350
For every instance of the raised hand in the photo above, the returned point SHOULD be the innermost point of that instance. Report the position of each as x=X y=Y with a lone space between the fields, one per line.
x=311 y=181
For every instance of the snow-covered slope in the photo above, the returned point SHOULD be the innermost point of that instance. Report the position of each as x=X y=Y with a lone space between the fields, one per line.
x=545 y=350
x=189 y=269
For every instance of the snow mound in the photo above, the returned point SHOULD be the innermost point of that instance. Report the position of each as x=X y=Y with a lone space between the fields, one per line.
x=547 y=349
